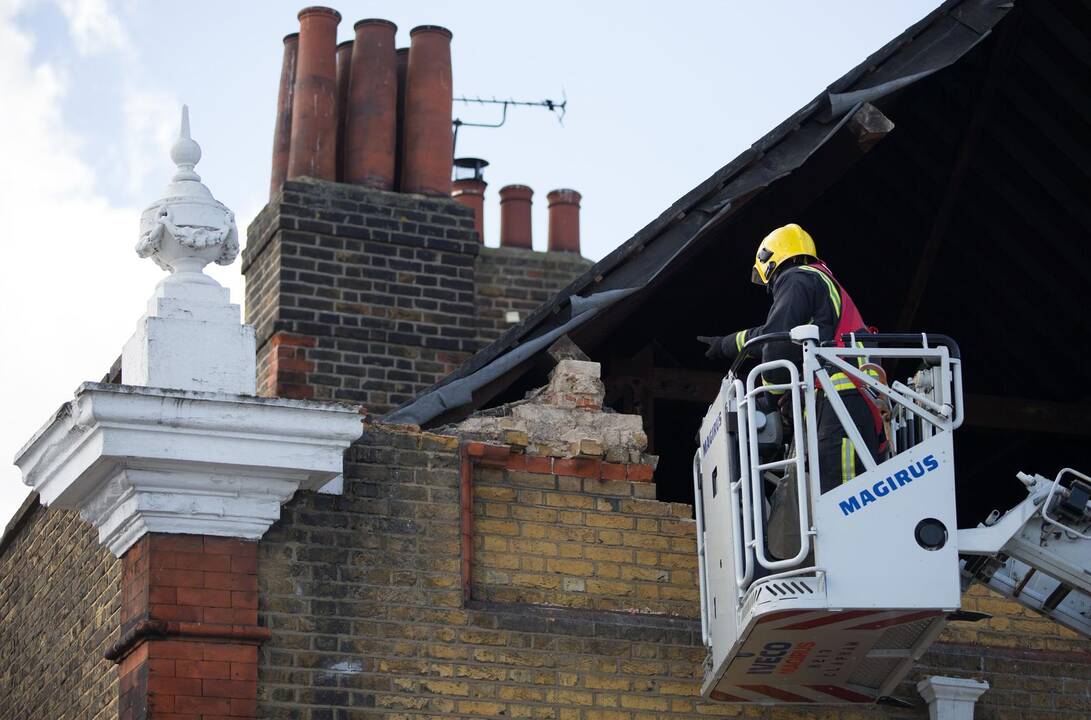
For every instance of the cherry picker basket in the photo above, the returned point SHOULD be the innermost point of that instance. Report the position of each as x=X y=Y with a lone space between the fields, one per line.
x=875 y=569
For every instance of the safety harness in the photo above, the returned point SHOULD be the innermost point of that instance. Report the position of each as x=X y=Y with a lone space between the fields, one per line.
x=849 y=320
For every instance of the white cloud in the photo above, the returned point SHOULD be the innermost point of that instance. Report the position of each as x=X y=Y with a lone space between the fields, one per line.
x=69 y=282
x=93 y=26
x=150 y=118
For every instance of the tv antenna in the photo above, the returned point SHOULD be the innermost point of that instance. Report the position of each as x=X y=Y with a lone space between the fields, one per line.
x=557 y=108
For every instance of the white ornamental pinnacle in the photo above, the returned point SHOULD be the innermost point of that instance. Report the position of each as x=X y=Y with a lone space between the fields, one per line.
x=191 y=336
x=183 y=445
x=188 y=228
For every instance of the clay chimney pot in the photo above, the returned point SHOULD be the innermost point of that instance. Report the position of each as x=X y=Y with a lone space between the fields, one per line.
x=470 y=192
x=401 y=56
x=429 y=141
x=282 y=133
x=371 y=131
x=314 y=107
x=564 y=220
x=344 y=64
x=515 y=216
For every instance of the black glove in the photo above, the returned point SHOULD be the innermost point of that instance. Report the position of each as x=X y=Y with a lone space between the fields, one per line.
x=768 y=402
x=714 y=344
x=719 y=348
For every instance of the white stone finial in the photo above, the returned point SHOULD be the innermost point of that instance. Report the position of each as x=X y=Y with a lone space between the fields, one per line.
x=185 y=152
x=191 y=337
x=188 y=228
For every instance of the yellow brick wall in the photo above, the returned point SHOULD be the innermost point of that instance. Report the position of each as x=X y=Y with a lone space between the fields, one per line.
x=554 y=539
x=363 y=595
x=59 y=613
x=1011 y=626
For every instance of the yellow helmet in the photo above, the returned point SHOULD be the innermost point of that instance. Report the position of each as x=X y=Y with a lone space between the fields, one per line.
x=785 y=242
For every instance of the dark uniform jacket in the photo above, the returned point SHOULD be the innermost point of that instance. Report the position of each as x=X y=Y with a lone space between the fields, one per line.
x=802 y=295
x=805 y=295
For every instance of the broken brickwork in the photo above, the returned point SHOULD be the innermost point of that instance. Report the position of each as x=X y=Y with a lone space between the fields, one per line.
x=564 y=419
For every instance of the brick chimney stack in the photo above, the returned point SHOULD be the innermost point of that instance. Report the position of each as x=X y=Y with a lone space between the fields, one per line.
x=367 y=277
x=429 y=140
x=515 y=219
x=314 y=102
x=370 y=151
x=282 y=134
x=564 y=221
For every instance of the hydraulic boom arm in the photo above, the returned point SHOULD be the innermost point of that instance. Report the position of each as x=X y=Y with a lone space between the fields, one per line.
x=1039 y=552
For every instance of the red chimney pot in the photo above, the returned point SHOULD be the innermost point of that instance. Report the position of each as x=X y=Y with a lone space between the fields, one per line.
x=515 y=219
x=401 y=56
x=564 y=220
x=344 y=64
x=429 y=142
x=371 y=131
x=470 y=192
x=314 y=105
x=282 y=133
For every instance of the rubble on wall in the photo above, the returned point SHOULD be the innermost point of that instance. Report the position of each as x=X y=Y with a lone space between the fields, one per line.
x=566 y=418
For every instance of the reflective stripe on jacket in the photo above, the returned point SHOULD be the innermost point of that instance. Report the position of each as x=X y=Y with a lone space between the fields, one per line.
x=802 y=295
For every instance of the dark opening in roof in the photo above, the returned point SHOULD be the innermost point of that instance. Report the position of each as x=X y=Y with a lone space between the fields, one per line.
x=970 y=218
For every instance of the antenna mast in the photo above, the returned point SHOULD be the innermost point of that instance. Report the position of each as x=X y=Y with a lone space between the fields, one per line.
x=557 y=108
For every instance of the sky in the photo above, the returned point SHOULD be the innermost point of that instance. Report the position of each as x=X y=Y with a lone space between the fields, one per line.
x=659 y=97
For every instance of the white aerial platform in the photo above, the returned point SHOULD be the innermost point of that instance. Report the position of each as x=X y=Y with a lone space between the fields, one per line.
x=876 y=569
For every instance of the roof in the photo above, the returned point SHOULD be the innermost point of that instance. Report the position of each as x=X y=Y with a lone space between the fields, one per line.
x=633 y=269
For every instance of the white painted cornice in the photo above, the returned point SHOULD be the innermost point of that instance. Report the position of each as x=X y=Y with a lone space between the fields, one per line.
x=135 y=460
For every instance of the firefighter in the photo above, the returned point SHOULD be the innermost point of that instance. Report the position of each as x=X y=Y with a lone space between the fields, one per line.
x=806 y=292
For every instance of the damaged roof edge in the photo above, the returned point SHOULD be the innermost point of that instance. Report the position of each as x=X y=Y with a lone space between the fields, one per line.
x=923 y=49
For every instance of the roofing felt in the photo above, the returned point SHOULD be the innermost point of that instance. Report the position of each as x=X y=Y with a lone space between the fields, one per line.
x=936 y=42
